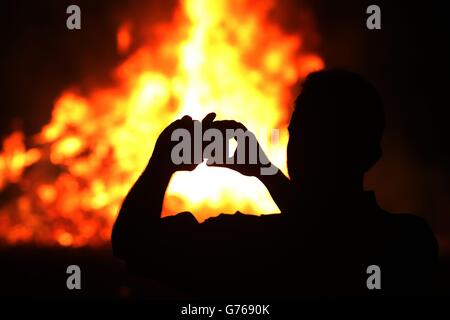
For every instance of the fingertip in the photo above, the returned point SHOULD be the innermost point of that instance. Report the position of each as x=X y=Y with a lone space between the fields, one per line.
x=241 y=125
x=209 y=117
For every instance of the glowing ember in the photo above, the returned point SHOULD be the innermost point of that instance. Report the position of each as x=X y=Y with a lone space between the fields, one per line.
x=221 y=56
x=124 y=38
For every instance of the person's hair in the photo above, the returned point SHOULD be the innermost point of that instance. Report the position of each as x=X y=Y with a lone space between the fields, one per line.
x=350 y=103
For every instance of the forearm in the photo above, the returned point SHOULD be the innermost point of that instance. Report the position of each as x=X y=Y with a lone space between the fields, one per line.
x=281 y=190
x=140 y=213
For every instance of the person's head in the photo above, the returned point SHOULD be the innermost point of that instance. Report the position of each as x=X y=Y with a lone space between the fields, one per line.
x=335 y=130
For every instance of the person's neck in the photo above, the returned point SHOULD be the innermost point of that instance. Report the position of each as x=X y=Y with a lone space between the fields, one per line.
x=331 y=193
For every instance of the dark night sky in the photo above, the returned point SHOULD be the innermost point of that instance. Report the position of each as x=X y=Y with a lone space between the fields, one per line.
x=406 y=60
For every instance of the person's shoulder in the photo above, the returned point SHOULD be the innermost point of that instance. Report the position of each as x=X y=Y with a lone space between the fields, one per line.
x=410 y=221
x=241 y=218
x=413 y=227
x=236 y=218
x=182 y=219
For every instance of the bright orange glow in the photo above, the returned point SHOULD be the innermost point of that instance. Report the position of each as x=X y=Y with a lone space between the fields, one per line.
x=124 y=38
x=65 y=239
x=218 y=56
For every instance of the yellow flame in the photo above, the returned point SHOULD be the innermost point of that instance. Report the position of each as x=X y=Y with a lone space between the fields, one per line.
x=215 y=56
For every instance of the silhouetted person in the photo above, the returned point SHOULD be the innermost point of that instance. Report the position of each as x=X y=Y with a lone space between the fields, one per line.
x=328 y=234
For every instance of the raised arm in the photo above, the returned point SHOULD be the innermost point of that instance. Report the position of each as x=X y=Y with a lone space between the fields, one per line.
x=279 y=186
x=139 y=217
x=281 y=190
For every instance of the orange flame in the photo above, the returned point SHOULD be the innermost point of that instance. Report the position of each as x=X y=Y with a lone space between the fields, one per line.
x=124 y=38
x=221 y=56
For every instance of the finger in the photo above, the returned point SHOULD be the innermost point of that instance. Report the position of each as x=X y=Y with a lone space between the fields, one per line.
x=209 y=118
x=225 y=160
x=186 y=118
x=228 y=124
x=173 y=125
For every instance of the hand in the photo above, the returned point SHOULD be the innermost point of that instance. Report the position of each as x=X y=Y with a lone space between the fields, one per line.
x=249 y=159
x=162 y=153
